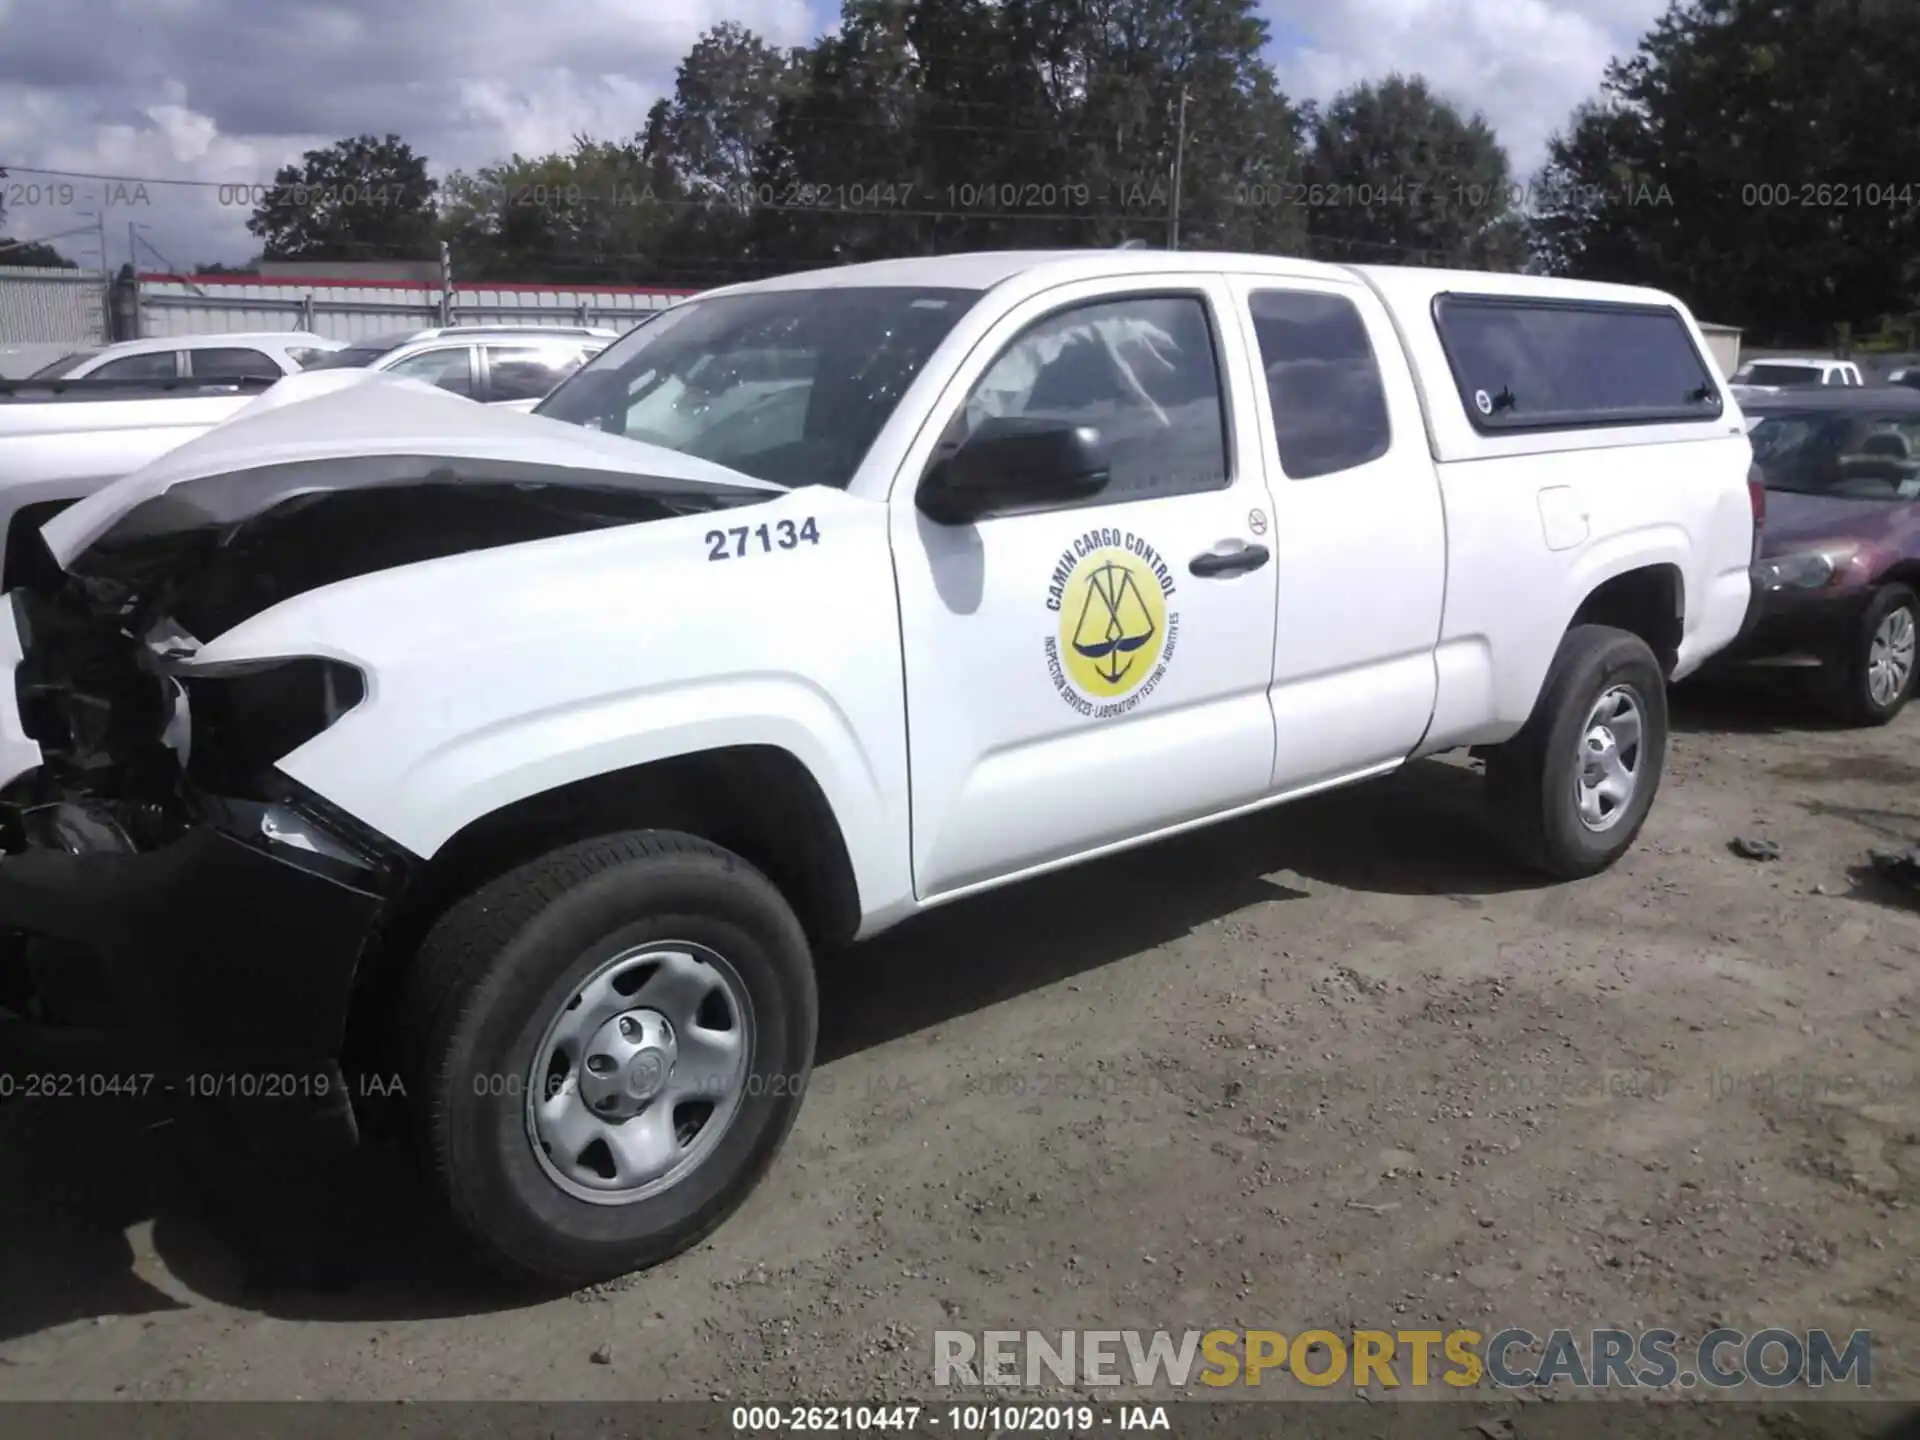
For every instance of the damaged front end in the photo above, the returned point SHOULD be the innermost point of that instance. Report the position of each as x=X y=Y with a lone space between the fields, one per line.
x=174 y=913
x=172 y=903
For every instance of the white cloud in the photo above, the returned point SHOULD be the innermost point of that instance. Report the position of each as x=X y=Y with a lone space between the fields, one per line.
x=1523 y=64
x=227 y=91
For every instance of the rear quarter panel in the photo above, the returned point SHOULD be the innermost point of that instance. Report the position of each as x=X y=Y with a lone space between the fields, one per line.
x=1640 y=495
x=1510 y=597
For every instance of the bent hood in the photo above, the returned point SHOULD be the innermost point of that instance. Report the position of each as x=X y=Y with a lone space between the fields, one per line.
x=277 y=449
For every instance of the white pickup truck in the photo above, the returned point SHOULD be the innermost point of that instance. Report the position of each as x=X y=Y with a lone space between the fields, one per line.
x=549 y=750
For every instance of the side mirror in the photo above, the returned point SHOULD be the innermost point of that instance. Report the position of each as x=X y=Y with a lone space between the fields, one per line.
x=1010 y=464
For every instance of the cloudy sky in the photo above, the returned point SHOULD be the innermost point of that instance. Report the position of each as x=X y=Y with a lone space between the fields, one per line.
x=226 y=91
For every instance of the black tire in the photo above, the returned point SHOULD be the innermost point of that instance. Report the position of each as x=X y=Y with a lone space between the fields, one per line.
x=1852 y=694
x=499 y=965
x=1532 y=778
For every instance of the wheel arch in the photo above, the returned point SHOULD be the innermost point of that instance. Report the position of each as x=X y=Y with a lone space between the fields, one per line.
x=1646 y=600
x=759 y=801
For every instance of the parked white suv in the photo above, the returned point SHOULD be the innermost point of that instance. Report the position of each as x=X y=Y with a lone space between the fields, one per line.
x=265 y=354
x=544 y=753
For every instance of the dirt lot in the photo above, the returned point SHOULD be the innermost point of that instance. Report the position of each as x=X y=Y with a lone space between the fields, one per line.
x=1334 y=1065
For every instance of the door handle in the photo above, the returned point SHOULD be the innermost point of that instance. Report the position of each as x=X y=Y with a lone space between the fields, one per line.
x=1238 y=561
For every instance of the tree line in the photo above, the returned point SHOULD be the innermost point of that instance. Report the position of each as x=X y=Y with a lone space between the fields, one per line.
x=1753 y=156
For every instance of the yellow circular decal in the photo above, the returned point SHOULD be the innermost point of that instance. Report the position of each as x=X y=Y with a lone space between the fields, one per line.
x=1115 y=630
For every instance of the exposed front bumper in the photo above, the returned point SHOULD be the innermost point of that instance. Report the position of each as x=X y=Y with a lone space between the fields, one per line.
x=217 y=966
x=209 y=970
x=207 y=955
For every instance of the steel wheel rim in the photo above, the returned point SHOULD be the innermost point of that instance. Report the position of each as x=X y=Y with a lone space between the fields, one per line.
x=636 y=1079
x=1607 y=769
x=1890 y=657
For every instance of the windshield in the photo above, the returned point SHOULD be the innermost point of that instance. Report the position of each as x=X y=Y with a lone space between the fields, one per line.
x=1779 y=375
x=790 y=386
x=1848 y=457
x=64 y=366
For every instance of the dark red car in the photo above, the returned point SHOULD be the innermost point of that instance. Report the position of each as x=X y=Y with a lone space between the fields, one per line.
x=1839 y=557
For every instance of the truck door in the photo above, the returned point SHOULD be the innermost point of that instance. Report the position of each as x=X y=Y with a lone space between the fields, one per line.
x=1358 y=535
x=1086 y=674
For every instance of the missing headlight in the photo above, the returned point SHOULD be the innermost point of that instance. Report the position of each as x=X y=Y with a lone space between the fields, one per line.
x=244 y=718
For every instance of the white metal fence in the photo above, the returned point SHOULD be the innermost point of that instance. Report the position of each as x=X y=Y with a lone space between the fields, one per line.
x=351 y=310
x=45 y=313
x=39 y=306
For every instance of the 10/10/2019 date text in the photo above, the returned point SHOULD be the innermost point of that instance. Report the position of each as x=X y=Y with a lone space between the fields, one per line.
x=955 y=1419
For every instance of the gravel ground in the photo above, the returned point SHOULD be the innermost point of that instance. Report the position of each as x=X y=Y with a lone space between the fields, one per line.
x=1332 y=1066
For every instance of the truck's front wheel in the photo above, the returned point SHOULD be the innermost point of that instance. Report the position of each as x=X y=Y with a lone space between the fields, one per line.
x=1573 y=788
x=610 y=1044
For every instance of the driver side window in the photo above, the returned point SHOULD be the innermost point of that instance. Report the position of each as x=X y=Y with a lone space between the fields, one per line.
x=1141 y=371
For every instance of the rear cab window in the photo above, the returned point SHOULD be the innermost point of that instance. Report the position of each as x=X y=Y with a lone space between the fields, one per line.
x=1764 y=373
x=1530 y=363
x=1323 y=380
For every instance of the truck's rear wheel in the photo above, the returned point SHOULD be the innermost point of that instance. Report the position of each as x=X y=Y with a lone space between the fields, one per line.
x=609 y=1045
x=1573 y=788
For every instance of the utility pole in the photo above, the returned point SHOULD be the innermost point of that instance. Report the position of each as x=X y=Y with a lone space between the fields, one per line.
x=106 y=275
x=132 y=323
x=1179 y=151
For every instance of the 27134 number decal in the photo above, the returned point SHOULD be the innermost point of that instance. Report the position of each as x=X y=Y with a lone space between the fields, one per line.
x=783 y=535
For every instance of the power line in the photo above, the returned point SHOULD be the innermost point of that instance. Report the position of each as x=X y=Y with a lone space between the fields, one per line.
x=115 y=179
x=86 y=229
